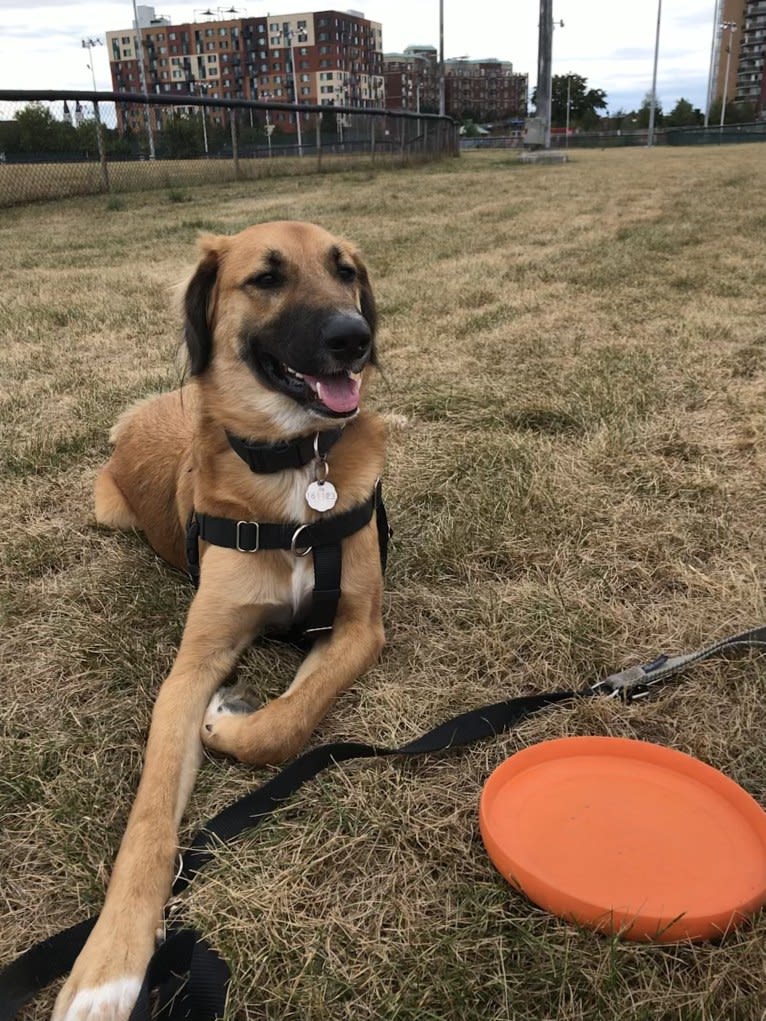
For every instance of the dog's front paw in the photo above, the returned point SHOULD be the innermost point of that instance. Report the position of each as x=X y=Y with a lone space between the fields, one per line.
x=233 y=726
x=106 y=978
x=108 y=1001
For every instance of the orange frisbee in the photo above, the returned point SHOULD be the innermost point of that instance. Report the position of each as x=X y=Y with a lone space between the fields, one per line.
x=627 y=837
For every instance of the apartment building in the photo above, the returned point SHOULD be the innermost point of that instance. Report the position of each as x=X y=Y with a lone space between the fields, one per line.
x=484 y=90
x=330 y=58
x=739 y=52
x=479 y=90
x=412 y=79
x=751 y=84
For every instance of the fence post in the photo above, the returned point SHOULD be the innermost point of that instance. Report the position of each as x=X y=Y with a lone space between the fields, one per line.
x=372 y=138
x=234 y=142
x=101 y=148
x=319 y=142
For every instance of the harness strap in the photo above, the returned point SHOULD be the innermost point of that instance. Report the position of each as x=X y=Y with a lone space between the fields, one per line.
x=267 y=458
x=207 y=974
x=322 y=538
x=252 y=536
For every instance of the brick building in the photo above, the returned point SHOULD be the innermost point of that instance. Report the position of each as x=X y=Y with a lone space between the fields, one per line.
x=326 y=59
x=740 y=47
x=412 y=79
x=479 y=90
x=485 y=90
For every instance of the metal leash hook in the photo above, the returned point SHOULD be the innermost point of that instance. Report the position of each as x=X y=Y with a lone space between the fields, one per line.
x=633 y=682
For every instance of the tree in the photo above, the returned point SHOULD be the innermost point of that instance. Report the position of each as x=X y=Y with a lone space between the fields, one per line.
x=584 y=103
x=38 y=129
x=736 y=113
x=645 y=112
x=684 y=115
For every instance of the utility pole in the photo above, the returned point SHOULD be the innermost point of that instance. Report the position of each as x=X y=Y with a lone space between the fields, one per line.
x=653 y=103
x=544 y=69
x=442 y=82
x=142 y=72
x=713 y=62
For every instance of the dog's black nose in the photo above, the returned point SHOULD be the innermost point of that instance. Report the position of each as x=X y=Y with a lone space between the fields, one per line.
x=347 y=336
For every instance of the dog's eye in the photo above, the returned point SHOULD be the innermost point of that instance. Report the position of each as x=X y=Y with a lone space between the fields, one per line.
x=347 y=273
x=266 y=281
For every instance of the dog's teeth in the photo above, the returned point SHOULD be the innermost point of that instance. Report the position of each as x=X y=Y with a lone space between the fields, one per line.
x=292 y=372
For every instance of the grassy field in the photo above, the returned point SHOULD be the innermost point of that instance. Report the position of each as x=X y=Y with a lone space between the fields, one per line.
x=580 y=352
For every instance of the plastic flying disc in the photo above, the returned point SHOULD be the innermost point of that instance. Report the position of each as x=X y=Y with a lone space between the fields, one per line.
x=627 y=837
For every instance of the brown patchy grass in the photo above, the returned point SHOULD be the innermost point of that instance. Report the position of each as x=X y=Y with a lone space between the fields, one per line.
x=581 y=354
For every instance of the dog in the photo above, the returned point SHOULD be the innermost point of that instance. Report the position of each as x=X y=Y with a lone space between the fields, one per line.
x=279 y=326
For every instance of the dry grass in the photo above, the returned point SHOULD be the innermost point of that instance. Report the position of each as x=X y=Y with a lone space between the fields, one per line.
x=581 y=352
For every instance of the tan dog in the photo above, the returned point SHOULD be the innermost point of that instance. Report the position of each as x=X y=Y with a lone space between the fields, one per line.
x=280 y=324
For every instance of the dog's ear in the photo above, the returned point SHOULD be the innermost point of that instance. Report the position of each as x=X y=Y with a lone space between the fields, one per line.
x=366 y=298
x=198 y=332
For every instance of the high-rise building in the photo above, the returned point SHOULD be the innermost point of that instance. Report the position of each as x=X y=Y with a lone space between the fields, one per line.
x=331 y=58
x=739 y=52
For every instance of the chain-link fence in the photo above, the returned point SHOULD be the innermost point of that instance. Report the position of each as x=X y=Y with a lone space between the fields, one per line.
x=55 y=144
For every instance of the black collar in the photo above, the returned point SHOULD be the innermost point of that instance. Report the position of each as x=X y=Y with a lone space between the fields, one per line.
x=266 y=458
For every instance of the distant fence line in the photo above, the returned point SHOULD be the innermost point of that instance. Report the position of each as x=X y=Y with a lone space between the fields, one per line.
x=55 y=144
x=712 y=135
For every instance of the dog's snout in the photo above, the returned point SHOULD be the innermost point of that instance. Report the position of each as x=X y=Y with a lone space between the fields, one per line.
x=346 y=336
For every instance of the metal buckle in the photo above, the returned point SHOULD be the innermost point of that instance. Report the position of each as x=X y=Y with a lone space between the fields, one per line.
x=247 y=549
x=632 y=683
x=293 y=541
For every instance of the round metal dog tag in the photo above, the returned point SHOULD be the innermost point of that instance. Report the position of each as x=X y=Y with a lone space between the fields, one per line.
x=321 y=496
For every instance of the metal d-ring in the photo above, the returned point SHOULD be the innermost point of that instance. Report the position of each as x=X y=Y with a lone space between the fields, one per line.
x=293 y=543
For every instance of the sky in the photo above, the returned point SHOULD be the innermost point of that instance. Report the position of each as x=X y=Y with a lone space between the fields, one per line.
x=609 y=42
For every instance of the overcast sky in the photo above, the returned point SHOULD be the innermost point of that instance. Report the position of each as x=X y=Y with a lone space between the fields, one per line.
x=610 y=42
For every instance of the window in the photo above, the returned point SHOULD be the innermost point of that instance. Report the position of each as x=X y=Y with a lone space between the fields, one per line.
x=305 y=91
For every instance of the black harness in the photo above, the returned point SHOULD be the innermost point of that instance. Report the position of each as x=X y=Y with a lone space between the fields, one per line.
x=322 y=538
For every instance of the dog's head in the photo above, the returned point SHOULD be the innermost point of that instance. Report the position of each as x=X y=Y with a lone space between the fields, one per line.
x=281 y=317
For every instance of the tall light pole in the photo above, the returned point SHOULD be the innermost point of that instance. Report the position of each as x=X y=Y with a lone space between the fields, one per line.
x=442 y=81
x=653 y=101
x=289 y=37
x=712 y=69
x=142 y=73
x=88 y=44
x=569 y=99
x=731 y=28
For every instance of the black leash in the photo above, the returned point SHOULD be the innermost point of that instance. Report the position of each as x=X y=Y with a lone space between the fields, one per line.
x=186 y=976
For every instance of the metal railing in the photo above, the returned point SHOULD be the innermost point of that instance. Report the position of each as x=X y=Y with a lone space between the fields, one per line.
x=58 y=144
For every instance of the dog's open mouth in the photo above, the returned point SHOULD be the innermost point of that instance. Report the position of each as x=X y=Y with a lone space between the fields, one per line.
x=336 y=394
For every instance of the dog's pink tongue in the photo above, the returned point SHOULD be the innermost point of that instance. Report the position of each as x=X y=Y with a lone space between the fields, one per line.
x=340 y=393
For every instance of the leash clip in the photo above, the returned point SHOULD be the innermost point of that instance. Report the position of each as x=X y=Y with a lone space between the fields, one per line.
x=633 y=683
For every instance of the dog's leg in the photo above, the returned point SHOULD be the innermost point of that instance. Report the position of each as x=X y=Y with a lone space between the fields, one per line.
x=283 y=726
x=112 y=509
x=108 y=973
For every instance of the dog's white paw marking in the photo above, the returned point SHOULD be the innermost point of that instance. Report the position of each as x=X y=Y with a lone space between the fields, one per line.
x=226 y=702
x=112 y=1001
